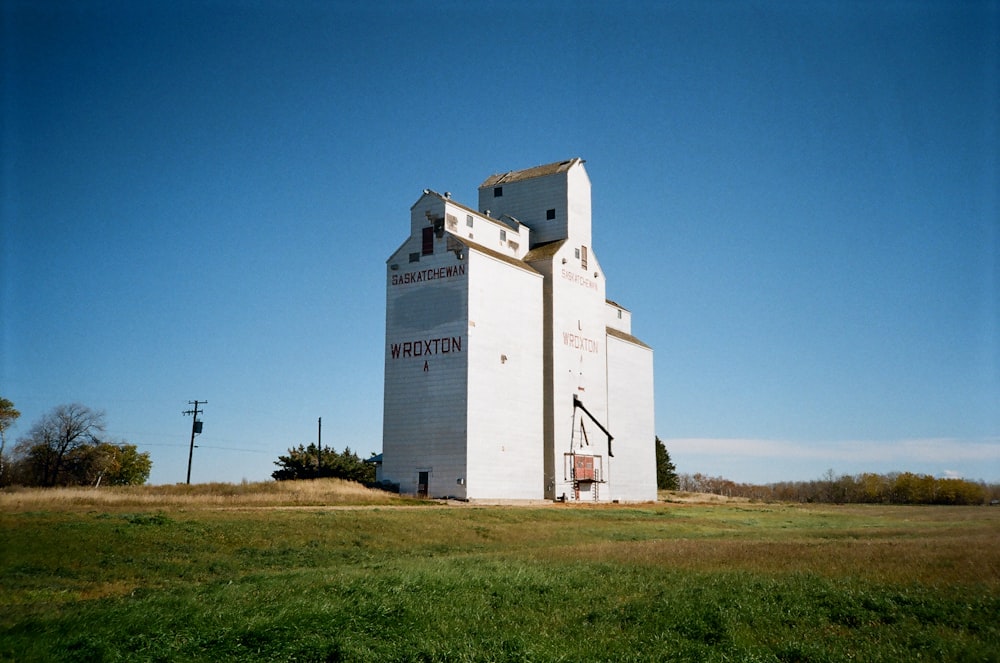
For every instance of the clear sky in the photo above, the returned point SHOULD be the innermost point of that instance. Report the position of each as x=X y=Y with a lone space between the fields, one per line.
x=798 y=201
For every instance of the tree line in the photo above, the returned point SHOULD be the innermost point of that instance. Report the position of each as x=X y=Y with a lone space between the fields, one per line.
x=865 y=488
x=68 y=447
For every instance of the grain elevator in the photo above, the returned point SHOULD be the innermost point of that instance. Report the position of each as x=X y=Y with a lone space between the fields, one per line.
x=509 y=375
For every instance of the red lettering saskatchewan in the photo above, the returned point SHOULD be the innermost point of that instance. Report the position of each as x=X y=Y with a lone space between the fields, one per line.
x=578 y=279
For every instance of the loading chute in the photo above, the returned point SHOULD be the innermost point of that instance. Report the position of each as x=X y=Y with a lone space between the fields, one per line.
x=583 y=468
x=577 y=403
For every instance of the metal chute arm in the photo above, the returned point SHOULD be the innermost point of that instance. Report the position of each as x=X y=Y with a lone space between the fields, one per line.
x=577 y=403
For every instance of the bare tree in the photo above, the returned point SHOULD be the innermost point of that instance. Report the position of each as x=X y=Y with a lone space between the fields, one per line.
x=55 y=436
x=8 y=415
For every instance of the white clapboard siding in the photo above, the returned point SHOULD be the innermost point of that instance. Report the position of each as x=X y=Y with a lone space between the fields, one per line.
x=630 y=417
x=505 y=385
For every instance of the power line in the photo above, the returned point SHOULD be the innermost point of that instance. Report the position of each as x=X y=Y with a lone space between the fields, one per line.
x=195 y=430
x=251 y=451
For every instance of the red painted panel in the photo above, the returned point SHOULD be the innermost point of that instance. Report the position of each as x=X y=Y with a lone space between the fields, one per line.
x=583 y=468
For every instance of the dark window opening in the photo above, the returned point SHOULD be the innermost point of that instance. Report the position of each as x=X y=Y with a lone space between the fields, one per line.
x=439 y=228
x=414 y=257
x=497 y=191
x=428 y=241
x=550 y=214
x=583 y=257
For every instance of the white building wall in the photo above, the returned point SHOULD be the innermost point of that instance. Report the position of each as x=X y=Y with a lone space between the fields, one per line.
x=426 y=364
x=619 y=318
x=632 y=471
x=502 y=236
x=528 y=200
x=505 y=380
x=579 y=360
x=578 y=201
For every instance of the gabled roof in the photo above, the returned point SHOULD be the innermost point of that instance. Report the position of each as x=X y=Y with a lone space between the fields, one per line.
x=444 y=198
x=505 y=219
x=626 y=337
x=543 y=251
x=510 y=260
x=528 y=173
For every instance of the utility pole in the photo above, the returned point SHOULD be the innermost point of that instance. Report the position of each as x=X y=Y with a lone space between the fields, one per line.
x=319 y=447
x=195 y=430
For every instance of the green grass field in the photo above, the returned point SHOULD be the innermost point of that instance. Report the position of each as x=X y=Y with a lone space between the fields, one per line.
x=319 y=573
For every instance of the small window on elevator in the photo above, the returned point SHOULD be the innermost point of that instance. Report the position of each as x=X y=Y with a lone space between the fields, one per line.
x=550 y=214
x=503 y=235
x=428 y=241
x=468 y=220
x=583 y=257
x=497 y=191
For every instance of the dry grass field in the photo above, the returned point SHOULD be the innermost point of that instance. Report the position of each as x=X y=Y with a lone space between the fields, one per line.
x=324 y=571
x=206 y=495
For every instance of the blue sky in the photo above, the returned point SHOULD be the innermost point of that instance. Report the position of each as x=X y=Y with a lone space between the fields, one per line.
x=797 y=201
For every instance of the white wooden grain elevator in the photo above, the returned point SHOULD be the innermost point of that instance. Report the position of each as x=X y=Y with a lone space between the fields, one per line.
x=509 y=375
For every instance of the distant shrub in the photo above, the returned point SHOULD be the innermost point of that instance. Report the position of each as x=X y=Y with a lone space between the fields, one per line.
x=307 y=462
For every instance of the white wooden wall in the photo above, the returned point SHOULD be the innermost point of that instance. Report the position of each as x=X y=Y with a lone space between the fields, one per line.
x=619 y=318
x=426 y=364
x=632 y=473
x=505 y=380
x=578 y=356
x=568 y=193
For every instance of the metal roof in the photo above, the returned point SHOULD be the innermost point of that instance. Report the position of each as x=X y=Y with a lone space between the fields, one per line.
x=543 y=251
x=626 y=337
x=479 y=248
x=528 y=173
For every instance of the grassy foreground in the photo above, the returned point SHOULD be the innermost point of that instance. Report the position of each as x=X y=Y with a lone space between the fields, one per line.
x=110 y=576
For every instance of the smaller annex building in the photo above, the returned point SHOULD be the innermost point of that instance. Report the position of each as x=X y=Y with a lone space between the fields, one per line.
x=508 y=372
